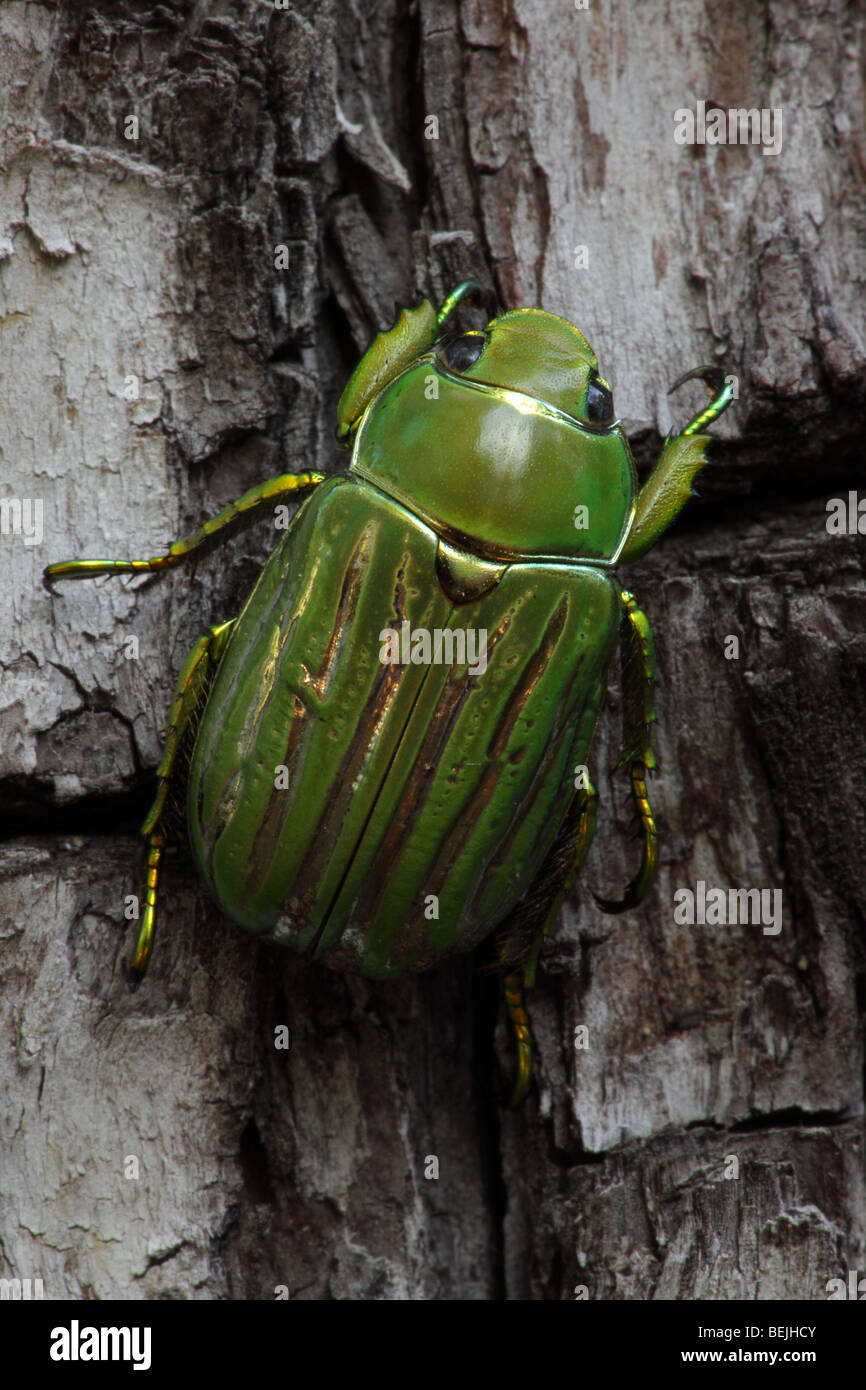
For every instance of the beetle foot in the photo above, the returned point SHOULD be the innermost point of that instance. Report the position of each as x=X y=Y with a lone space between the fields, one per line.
x=721 y=387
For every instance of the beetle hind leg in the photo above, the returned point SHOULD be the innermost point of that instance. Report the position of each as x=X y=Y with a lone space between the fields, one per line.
x=193 y=684
x=515 y=1003
x=522 y=933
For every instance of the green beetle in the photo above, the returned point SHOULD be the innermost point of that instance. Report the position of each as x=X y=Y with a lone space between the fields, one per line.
x=381 y=749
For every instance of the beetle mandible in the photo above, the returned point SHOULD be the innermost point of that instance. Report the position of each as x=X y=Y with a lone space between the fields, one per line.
x=350 y=762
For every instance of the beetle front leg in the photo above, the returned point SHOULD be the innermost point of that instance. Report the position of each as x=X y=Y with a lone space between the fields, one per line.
x=669 y=486
x=201 y=664
x=233 y=518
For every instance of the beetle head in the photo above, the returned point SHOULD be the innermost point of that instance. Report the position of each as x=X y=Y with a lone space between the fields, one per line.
x=505 y=441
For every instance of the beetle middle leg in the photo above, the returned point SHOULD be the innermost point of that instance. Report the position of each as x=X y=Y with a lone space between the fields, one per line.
x=198 y=672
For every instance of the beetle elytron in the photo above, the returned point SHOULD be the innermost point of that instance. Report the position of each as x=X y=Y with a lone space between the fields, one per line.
x=381 y=815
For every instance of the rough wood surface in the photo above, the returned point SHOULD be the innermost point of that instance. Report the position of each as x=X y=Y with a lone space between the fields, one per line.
x=153 y=258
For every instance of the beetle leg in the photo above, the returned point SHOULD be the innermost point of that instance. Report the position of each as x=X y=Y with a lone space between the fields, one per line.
x=519 y=937
x=155 y=845
x=200 y=665
x=721 y=388
x=513 y=987
x=470 y=292
x=235 y=517
x=536 y=917
x=638 y=679
x=586 y=805
x=669 y=486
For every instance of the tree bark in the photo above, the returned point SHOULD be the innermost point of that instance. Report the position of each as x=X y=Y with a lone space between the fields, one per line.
x=703 y=1137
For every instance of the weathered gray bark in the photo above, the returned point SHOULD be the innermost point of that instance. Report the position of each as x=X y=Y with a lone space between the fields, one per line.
x=154 y=257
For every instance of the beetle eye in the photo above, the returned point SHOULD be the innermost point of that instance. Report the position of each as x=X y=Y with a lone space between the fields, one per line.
x=464 y=352
x=599 y=402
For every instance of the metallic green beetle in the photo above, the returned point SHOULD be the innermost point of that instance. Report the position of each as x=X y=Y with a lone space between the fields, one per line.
x=382 y=747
